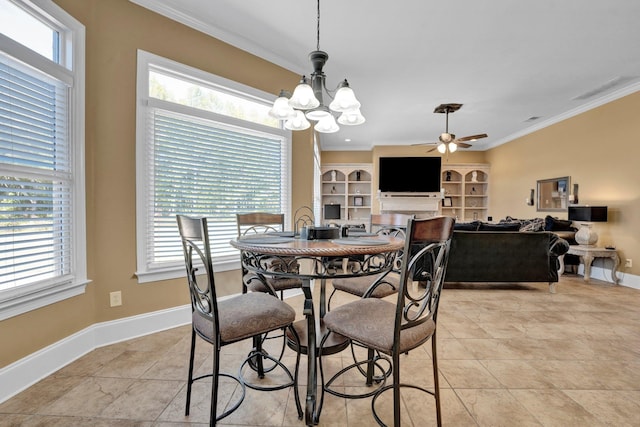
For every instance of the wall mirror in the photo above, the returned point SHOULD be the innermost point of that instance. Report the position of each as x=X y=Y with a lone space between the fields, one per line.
x=553 y=194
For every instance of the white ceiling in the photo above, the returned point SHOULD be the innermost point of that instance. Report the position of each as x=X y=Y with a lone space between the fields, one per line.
x=505 y=60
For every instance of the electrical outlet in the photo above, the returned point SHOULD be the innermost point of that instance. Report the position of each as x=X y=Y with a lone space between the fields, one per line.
x=629 y=263
x=115 y=298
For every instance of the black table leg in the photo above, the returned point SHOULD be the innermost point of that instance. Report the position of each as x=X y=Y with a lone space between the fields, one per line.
x=312 y=380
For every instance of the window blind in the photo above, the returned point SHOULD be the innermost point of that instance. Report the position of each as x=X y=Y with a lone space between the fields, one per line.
x=35 y=177
x=202 y=167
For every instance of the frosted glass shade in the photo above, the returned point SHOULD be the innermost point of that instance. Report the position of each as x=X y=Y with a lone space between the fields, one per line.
x=344 y=100
x=281 y=109
x=298 y=122
x=318 y=113
x=303 y=97
x=351 y=118
x=327 y=125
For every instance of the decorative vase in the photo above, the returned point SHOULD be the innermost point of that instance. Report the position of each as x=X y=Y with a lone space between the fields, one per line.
x=586 y=236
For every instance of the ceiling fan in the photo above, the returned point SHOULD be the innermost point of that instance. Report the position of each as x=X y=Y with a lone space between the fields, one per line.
x=448 y=141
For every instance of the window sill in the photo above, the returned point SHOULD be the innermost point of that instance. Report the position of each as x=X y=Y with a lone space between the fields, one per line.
x=13 y=303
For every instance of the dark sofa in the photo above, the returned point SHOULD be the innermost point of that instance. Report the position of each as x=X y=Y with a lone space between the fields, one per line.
x=505 y=256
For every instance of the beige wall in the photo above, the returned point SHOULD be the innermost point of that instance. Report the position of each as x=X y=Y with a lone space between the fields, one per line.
x=346 y=156
x=599 y=150
x=115 y=29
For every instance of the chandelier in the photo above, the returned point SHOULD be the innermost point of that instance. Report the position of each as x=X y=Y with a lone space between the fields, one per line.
x=306 y=103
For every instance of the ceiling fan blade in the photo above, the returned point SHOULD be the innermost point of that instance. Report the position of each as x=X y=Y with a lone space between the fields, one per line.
x=433 y=149
x=472 y=137
x=463 y=144
x=426 y=143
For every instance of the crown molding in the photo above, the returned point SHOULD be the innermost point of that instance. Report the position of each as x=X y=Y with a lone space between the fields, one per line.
x=628 y=90
x=226 y=36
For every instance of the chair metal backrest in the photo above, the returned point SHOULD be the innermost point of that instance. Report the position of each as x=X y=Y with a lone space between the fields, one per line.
x=259 y=222
x=393 y=225
x=194 y=234
x=423 y=271
x=303 y=217
x=390 y=224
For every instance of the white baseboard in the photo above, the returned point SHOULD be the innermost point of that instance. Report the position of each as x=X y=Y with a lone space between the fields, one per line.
x=27 y=371
x=604 y=274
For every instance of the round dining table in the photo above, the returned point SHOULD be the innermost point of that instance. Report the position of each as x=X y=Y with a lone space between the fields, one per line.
x=280 y=255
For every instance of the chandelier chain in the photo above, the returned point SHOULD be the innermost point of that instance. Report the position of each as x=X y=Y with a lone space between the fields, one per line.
x=318 y=28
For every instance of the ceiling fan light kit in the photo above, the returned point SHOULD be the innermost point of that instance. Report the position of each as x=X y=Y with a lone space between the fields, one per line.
x=307 y=97
x=448 y=142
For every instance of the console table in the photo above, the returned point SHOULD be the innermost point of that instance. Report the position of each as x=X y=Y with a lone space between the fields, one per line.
x=588 y=253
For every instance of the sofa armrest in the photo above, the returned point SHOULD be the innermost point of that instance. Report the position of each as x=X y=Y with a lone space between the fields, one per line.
x=559 y=246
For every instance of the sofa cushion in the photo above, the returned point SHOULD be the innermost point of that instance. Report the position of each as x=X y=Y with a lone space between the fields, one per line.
x=555 y=224
x=535 y=224
x=467 y=226
x=499 y=227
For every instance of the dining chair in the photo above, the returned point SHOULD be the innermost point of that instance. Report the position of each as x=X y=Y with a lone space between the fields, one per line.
x=260 y=223
x=381 y=285
x=394 y=328
x=378 y=286
x=252 y=223
x=220 y=323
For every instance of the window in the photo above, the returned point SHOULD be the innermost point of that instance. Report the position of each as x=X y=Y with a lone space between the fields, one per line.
x=205 y=147
x=42 y=223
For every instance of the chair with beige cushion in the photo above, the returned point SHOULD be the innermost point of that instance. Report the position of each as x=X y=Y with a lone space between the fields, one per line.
x=220 y=323
x=261 y=223
x=396 y=327
x=381 y=285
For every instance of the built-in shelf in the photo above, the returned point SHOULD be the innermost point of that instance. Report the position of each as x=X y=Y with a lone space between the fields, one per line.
x=466 y=189
x=347 y=185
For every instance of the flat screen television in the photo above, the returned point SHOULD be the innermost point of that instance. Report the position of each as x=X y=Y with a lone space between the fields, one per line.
x=409 y=174
x=331 y=211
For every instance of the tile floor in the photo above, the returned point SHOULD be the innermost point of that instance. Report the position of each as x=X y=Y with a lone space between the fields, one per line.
x=509 y=356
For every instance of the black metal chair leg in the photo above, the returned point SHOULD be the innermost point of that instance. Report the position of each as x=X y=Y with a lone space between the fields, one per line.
x=296 y=392
x=396 y=390
x=370 y=357
x=214 y=387
x=190 y=376
x=436 y=390
x=257 y=350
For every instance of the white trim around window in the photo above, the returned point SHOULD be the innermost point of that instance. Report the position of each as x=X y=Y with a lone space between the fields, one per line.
x=70 y=70
x=173 y=135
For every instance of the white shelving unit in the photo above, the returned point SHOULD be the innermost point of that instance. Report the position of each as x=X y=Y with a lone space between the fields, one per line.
x=466 y=190
x=347 y=185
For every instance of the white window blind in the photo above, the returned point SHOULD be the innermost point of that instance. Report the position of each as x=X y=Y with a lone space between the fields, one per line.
x=198 y=161
x=35 y=185
x=42 y=210
x=206 y=168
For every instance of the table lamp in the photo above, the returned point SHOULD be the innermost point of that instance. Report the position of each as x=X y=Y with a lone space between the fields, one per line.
x=585 y=215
